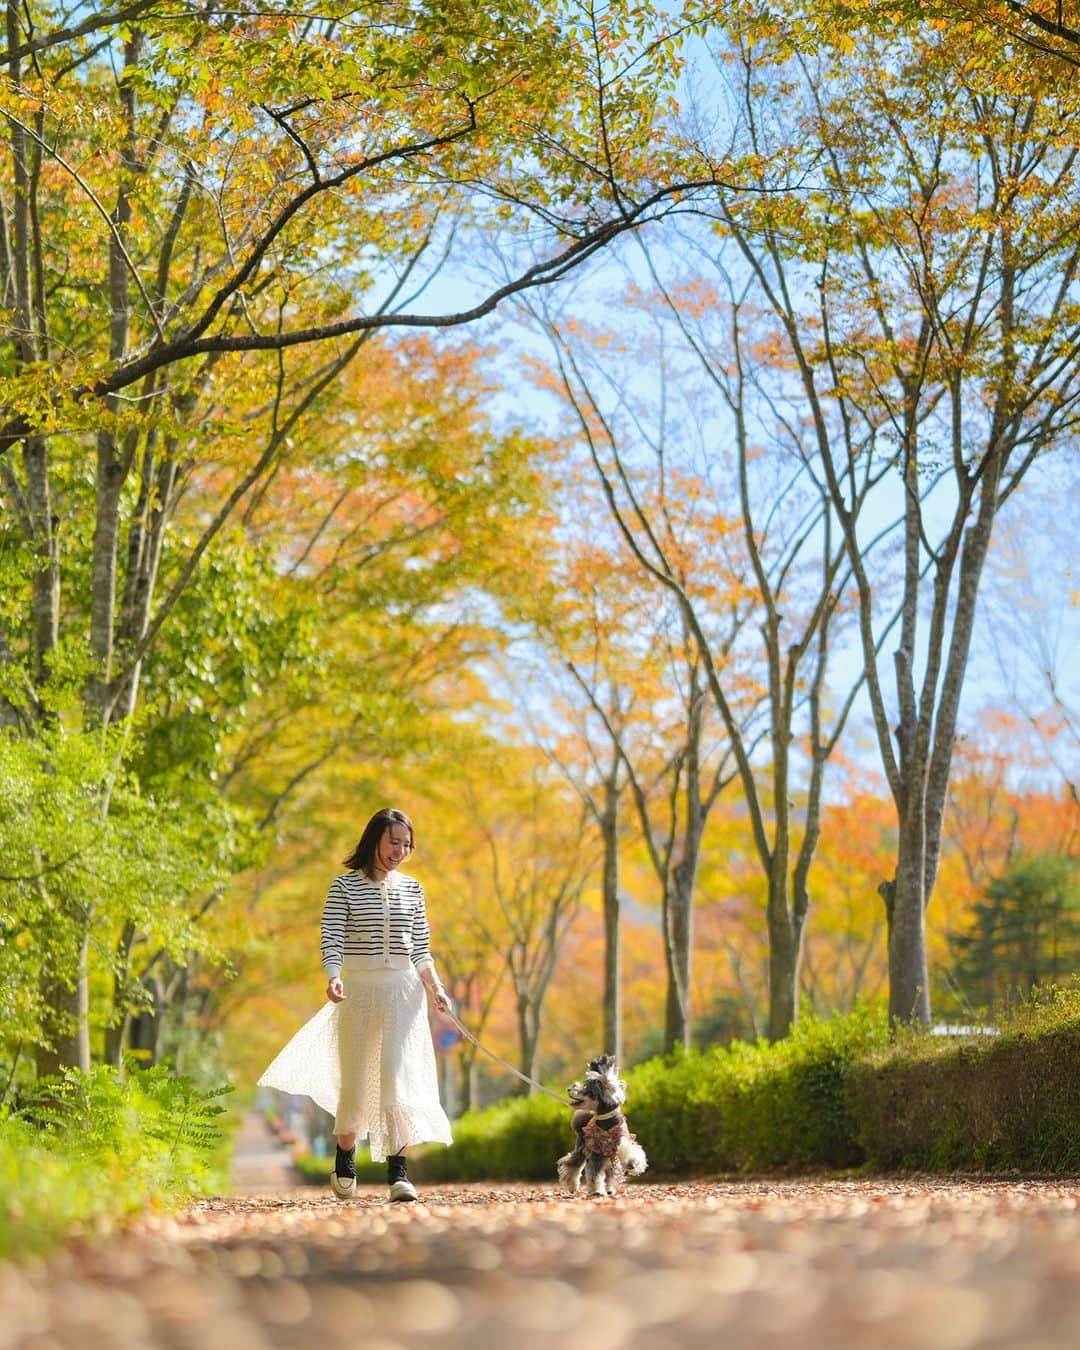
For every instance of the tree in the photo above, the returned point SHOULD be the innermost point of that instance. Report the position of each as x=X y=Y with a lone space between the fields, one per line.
x=673 y=802
x=615 y=721
x=782 y=552
x=139 y=865
x=1051 y=27
x=310 y=135
x=665 y=741
x=524 y=861
x=338 y=666
x=845 y=962
x=587 y=617
x=1045 y=32
x=1025 y=931
x=194 y=199
x=925 y=287
x=1048 y=28
x=317 y=628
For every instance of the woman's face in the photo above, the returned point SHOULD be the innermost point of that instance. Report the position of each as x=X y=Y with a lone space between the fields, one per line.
x=392 y=848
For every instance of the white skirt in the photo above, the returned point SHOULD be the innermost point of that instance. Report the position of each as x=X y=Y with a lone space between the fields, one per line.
x=369 y=1062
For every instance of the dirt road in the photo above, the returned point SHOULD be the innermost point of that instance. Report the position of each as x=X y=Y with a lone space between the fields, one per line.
x=922 y=1264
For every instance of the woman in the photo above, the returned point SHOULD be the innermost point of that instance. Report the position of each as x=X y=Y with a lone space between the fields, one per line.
x=367 y=1057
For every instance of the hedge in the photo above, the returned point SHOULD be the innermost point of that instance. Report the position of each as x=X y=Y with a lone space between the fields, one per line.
x=835 y=1094
x=1004 y=1103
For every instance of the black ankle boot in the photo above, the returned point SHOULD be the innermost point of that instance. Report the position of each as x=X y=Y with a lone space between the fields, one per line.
x=345 y=1162
x=401 y=1188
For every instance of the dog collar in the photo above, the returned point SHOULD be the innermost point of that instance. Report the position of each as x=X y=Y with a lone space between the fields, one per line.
x=607 y=1115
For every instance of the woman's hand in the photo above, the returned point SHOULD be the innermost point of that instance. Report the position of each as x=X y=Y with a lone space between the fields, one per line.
x=440 y=998
x=335 y=990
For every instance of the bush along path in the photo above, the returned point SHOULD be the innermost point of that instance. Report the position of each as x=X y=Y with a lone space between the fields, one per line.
x=919 y=1263
x=834 y=1094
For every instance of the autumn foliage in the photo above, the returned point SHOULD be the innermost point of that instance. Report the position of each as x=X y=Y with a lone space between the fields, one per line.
x=485 y=410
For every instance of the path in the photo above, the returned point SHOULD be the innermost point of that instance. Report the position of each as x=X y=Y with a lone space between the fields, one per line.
x=260 y=1165
x=915 y=1264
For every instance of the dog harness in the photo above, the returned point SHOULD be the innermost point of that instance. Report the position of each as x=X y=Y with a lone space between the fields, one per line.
x=606 y=1141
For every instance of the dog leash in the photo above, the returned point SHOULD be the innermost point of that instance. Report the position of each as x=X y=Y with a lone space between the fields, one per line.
x=563 y=1101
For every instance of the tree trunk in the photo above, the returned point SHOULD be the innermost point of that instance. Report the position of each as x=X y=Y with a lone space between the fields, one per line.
x=9 y=714
x=31 y=347
x=116 y=1038
x=609 y=828
x=144 y=1032
x=785 y=957
x=144 y=551
x=679 y=907
x=909 y=985
x=67 y=1016
x=926 y=762
x=449 y=1085
x=120 y=1018
x=46 y=584
x=680 y=882
x=467 y=1082
x=110 y=483
x=528 y=1038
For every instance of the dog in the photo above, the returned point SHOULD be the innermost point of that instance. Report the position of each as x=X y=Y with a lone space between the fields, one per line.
x=606 y=1151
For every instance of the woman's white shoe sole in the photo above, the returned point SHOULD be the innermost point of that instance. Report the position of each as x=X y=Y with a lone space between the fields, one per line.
x=402 y=1190
x=343 y=1187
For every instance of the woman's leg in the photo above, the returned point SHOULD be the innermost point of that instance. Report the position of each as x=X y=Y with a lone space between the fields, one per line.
x=401 y=1188
x=343 y=1178
x=345 y=1158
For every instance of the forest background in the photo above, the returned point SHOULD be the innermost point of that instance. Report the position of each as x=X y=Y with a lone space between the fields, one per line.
x=638 y=441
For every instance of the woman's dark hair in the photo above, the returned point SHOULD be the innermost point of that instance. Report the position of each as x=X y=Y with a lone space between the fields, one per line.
x=363 y=855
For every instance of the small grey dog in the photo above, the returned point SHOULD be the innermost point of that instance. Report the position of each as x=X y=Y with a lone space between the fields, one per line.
x=606 y=1151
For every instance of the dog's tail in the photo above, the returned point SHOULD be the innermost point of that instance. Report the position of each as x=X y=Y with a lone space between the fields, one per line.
x=632 y=1156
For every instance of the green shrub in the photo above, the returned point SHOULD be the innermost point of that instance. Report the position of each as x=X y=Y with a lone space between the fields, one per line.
x=315 y=1171
x=84 y=1150
x=740 y=1107
x=836 y=1093
x=1008 y=1102
x=755 y=1106
x=518 y=1137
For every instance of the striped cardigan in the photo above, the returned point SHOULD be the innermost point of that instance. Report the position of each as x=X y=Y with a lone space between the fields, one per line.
x=379 y=920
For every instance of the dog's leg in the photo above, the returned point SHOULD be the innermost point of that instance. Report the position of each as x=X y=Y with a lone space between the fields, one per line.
x=570 y=1168
x=573 y=1164
x=595 y=1175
